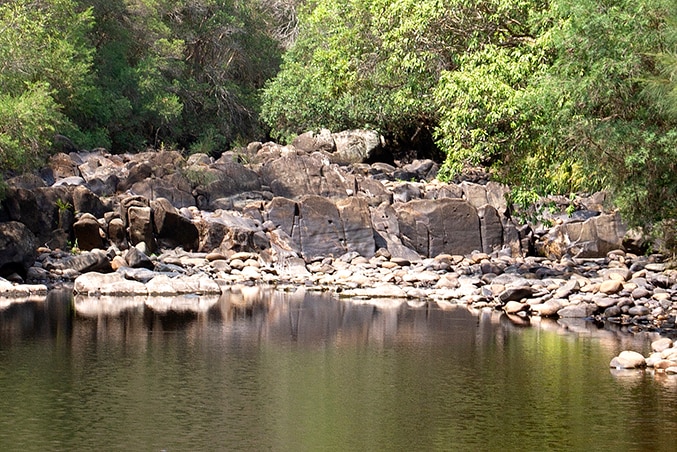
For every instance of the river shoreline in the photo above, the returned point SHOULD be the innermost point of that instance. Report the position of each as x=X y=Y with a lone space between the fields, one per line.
x=635 y=292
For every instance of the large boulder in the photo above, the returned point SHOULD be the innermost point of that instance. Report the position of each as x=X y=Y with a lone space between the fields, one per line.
x=63 y=166
x=491 y=229
x=86 y=201
x=320 y=228
x=594 y=237
x=356 y=146
x=140 y=228
x=311 y=142
x=221 y=180
x=443 y=226
x=173 y=229
x=43 y=210
x=96 y=284
x=317 y=226
x=357 y=229
x=387 y=233
x=94 y=261
x=102 y=171
x=292 y=176
x=88 y=232
x=17 y=248
x=283 y=213
x=173 y=187
x=228 y=232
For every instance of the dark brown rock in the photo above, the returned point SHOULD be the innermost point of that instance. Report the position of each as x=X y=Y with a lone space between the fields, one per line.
x=140 y=229
x=173 y=229
x=491 y=229
x=174 y=187
x=17 y=248
x=320 y=227
x=87 y=232
x=85 y=201
x=42 y=210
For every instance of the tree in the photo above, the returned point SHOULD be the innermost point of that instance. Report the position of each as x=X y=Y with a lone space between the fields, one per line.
x=44 y=62
x=597 y=104
x=183 y=73
x=361 y=63
x=583 y=100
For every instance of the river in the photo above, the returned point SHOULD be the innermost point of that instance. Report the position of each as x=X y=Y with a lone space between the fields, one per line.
x=302 y=371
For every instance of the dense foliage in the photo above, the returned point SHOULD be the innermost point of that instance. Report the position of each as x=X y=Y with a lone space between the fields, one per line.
x=127 y=74
x=552 y=95
x=44 y=65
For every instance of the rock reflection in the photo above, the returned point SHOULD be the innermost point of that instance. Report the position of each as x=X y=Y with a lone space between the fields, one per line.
x=106 y=305
x=44 y=317
x=298 y=316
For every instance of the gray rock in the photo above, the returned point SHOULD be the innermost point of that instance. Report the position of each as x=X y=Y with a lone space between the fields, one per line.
x=475 y=194
x=591 y=238
x=356 y=146
x=491 y=228
x=95 y=284
x=293 y=176
x=315 y=142
x=174 y=187
x=137 y=259
x=93 y=261
x=320 y=228
x=357 y=228
x=580 y=310
x=516 y=293
x=639 y=310
x=605 y=302
x=433 y=227
x=567 y=289
x=612 y=311
x=640 y=292
x=225 y=179
x=226 y=231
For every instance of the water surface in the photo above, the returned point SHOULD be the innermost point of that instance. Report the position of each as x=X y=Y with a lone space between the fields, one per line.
x=302 y=371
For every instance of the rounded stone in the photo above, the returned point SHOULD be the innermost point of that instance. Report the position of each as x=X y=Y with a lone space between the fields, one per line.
x=661 y=344
x=640 y=292
x=610 y=287
x=639 y=310
x=513 y=307
x=628 y=359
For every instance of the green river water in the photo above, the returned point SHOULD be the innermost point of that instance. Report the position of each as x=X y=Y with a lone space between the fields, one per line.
x=306 y=372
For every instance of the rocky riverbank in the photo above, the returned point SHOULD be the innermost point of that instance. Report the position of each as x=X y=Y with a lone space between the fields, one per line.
x=325 y=214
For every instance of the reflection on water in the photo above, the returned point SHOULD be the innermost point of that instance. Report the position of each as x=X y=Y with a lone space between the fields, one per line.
x=259 y=369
